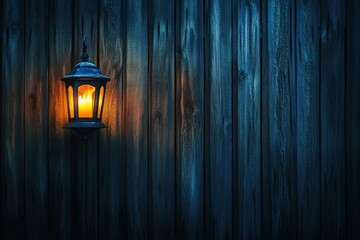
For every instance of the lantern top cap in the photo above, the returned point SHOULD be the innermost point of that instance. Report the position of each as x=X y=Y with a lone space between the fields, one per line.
x=86 y=69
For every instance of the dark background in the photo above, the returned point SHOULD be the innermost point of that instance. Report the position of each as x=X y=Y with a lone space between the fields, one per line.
x=226 y=120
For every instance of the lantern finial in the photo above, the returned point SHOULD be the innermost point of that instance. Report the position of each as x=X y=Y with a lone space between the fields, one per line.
x=84 y=55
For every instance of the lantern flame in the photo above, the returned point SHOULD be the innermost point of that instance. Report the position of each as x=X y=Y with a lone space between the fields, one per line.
x=85 y=101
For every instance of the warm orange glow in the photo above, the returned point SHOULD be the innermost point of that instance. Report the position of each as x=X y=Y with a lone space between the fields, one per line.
x=100 y=101
x=86 y=101
x=71 y=102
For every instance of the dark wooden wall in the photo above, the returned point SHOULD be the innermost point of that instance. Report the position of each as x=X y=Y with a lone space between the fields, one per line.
x=227 y=119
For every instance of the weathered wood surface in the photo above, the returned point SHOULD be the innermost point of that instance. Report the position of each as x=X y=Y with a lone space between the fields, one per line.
x=352 y=120
x=219 y=159
x=281 y=99
x=248 y=131
x=12 y=138
x=112 y=174
x=137 y=114
x=226 y=120
x=332 y=119
x=190 y=119
x=307 y=120
x=59 y=147
x=265 y=143
x=36 y=122
x=162 y=118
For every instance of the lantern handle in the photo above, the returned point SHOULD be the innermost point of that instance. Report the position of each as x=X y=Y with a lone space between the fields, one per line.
x=84 y=55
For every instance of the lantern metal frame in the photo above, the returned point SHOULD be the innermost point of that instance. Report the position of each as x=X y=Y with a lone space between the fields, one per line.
x=85 y=73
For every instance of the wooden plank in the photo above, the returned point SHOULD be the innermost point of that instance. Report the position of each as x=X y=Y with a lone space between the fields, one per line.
x=112 y=182
x=207 y=198
x=332 y=114
x=59 y=144
x=190 y=119
x=36 y=121
x=220 y=119
x=282 y=112
x=266 y=210
x=2 y=217
x=352 y=120
x=307 y=121
x=247 y=78
x=12 y=101
x=162 y=118
x=136 y=121
x=85 y=215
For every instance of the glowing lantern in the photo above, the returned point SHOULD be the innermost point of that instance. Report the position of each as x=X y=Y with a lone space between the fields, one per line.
x=85 y=92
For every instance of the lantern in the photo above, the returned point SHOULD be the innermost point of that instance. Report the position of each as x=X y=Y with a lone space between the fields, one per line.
x=85 y=92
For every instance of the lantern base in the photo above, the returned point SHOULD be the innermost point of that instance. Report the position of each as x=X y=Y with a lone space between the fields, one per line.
x=84 y=128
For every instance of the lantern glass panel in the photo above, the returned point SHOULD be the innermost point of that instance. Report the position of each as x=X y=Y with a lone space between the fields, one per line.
x=86 y=100
x=71 y=101
x=101 y=98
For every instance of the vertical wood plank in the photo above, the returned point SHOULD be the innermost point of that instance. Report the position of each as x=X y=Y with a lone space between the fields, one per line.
x=281 y=119
x=189 y=118
x=36 y=120
x=247 y=53
x=207 y=199
x=162 y=118
x=59 y=146
x=136 y=122
x=2 y=220
x=85 y=220
x=266 y=213
x=332 y=120
x=352 y=119
x=12 y=101
x=112 y=188
x=307 y=124
x=219 y=160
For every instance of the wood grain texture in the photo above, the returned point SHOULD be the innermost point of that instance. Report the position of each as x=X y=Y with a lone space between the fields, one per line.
x=136 y=121
x=112 y=178
x=189 y=119
x=59 y=145
x=281 y=119
x=307 y=120
x=226 y=120
x=220 y=119
x=12 y=101
x=332 y=118
x=162 y=118
x=247 y=77
x=352 y=120
x=2 y=220
x=266 y=218
x=36 y=122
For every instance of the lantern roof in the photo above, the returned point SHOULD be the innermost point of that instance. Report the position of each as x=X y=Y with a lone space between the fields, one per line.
x=86 y=69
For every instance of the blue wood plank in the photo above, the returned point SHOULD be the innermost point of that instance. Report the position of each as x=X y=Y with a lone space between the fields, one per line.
x=307 y=121
x=162 y=118
x=36 y=121
x=112 y=178
x=136 y=121
x=282 y=112
x=352 y=120
x=332 y=118
x=12 y=101
x=219 y=158
x=248 y=86
x=59 y=145
x=189 y=118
